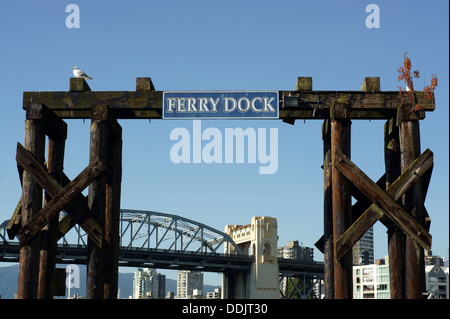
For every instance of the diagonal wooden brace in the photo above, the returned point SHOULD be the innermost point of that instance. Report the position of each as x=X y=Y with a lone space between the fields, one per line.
x=421 y=167
x=61 y=197
x=78 y=212
x=384 y=202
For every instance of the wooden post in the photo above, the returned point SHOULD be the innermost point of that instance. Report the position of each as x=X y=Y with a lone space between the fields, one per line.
x=31 y=204
x=55 y=163
x=396 y=237
x=112 y=211
x=328 y=247
x=413 y=203
x=97 y=200
x=104 y=202
x=341 y=199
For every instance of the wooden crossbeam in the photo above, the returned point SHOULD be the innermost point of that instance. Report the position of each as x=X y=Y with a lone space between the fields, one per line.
x=53 y=126
x=358 y=208
x=384 y=203
x=14 y=223
x=61 y=197
x=147 y=104
x=419 y=168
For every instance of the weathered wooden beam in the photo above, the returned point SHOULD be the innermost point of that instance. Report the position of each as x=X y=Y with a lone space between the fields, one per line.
x=59 y=201
x=144 y=84
x=304 y=83
x=327 y=239
x=79 y=213
x=358 y=209
x=396 y=237
x=47 y=265
x=341 y=200
x=31 y=204
x=14 y=223
x=126 y=104
x=413 y=202
x=374 y=213
x=112 y=211
x=371 y=84
x=52 y=125
x=293 y=104
x=395 y=212
x=77 y=209
x=99 y=148
x=79 y=85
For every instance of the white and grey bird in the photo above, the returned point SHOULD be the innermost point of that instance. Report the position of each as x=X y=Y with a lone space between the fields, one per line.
x=80 y=74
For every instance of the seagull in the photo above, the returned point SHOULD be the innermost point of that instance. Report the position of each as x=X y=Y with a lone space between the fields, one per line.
x=80 y=74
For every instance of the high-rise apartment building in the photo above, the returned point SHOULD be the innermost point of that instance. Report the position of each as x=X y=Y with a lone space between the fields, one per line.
x=187 y=281
x=148 y=284
x=363 y=249
x=293 y=250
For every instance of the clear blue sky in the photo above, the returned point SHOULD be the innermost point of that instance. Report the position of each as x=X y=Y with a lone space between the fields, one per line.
x=227 y=45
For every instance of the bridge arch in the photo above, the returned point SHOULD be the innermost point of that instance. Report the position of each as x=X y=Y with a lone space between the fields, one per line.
x=148 y=229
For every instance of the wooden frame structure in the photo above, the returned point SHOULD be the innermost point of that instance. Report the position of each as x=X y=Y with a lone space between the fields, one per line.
x=396 y=199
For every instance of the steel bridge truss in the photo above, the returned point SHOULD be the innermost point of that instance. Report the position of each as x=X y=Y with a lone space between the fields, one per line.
x=151 y=239
x=153 y=230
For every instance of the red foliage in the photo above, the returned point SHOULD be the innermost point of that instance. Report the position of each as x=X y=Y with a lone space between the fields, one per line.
x=405 y=75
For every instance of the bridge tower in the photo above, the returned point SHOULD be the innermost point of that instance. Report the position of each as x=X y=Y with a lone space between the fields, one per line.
x=258 y=239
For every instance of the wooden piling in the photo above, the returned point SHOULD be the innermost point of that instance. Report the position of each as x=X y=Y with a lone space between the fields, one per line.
x=413 y=202
x=55 y=162
x=104 y=202
x=396 y=237
x=328 y=247
x=341 y=199
x=112 y=211
x=97 y=200
x=31 y=204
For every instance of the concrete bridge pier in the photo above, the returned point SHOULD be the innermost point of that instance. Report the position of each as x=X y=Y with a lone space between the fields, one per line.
x=234 y=284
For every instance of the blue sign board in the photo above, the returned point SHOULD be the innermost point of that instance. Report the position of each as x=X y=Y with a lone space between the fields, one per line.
x=220 y=105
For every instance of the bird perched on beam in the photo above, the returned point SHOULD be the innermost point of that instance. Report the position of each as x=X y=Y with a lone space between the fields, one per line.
x=80 y=74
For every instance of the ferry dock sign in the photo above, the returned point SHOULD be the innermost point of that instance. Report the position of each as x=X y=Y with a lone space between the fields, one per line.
x=220 y=105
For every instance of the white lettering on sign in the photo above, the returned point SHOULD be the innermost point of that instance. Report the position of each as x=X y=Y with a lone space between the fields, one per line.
x=224 y=104
x=201 y=104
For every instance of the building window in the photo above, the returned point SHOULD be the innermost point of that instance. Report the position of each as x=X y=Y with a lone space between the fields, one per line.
x=382 y=287
x=367 y=271
x=368 y=288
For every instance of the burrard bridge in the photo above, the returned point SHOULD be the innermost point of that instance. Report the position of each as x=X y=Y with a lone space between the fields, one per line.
x=166 y=241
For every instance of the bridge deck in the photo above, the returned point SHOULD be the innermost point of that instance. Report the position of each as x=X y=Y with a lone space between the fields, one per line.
x=166 y=259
